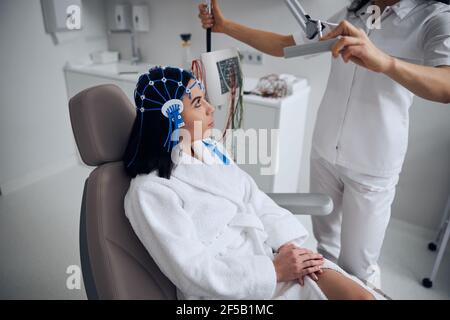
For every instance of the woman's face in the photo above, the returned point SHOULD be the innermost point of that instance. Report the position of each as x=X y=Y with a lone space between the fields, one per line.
x=197 y=110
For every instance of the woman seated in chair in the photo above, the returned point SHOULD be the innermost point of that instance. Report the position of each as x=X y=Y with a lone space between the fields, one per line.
x=203 y=220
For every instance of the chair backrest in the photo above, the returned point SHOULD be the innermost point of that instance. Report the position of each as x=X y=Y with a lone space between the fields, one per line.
x=115 y=265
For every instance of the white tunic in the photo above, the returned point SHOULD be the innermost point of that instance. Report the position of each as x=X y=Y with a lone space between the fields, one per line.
x=363 y=120
x=212 y=232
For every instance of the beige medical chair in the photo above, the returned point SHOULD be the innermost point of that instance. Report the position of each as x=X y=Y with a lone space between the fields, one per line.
x=115 y=265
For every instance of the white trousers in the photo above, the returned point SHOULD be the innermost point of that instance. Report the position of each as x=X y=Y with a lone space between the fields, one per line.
x=352 y=235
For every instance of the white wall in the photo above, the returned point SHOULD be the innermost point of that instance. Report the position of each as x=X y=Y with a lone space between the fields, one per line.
x=35 y=133
x=425 y=181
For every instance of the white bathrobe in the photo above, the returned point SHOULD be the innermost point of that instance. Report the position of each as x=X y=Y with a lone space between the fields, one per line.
x=213 y=233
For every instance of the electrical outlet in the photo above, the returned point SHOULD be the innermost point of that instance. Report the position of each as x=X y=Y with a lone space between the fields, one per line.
x=259 y=58
x=252 y=57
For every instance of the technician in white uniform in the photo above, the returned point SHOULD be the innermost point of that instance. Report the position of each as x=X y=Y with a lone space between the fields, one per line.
x=361 y=134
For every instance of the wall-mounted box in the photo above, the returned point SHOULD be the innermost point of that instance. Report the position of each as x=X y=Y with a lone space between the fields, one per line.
x=61 y=15
x=120 y=18
x=141 y=20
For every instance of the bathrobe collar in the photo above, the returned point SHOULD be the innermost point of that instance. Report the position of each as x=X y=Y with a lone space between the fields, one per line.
x=218 y=179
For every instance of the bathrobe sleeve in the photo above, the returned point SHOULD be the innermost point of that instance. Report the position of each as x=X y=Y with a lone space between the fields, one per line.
x=280 y=224
x=168 y=233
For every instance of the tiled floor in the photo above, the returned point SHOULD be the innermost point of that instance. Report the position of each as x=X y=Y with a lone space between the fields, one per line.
x=39 y=241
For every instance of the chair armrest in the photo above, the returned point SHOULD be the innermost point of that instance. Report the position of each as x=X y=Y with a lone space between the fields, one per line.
x=314 y=204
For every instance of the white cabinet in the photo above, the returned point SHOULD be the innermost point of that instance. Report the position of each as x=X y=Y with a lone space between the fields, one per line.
x=141 y=21
x=277 y=169
x=124 y=17
x=78 y=81
x=119 y=17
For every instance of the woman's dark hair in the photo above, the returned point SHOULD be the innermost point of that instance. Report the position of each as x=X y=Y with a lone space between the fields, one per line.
x=146 y=150
x=358 y=4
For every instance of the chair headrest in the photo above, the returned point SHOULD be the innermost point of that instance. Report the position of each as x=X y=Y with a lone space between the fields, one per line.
x=102 y=118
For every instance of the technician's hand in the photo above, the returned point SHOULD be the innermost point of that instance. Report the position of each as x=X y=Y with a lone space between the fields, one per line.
x=355 y=45
x=215 y=21
x=292 y=263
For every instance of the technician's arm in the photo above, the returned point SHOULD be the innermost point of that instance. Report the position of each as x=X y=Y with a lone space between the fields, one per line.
x=431 y=83
x=267 y=42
